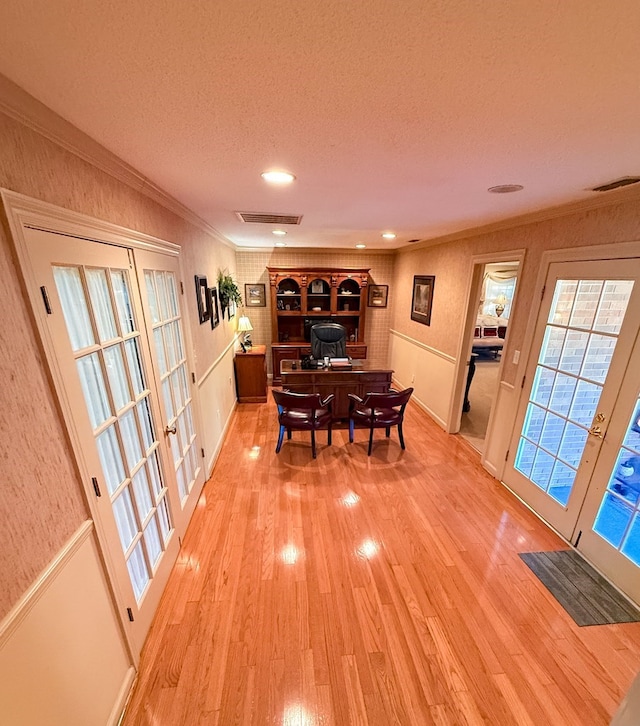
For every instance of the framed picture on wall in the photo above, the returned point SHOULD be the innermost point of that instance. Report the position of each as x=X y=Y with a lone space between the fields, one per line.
x=377 y=296
x=204 y=311
x=422 y=300
x=255 y=296
x=214 y=308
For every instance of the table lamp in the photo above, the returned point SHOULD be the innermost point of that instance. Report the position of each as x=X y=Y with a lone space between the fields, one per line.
x=501 y=301
x=244 y=326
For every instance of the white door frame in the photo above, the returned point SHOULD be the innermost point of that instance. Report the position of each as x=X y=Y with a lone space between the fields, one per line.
x=24 y=212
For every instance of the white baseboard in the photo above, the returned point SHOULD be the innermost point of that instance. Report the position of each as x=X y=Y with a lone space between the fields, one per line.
x=223 y=435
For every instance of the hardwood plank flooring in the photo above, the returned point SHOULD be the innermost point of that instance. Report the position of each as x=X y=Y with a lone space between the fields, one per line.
x=368 y=590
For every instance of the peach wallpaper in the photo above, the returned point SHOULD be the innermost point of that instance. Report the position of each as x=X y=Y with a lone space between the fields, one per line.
x=252 y=268
x=41 y=500
x=451 y=264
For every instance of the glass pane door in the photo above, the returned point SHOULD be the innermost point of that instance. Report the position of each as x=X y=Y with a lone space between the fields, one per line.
x=172 y=368
x=96 y=304
x=608 y=530
x=584 y=336
x=159 y=281
x=618 y=517
x=579 y=341
x=99 y=350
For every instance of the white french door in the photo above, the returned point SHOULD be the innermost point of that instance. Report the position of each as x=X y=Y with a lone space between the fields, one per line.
x=158 y=279
x=608 y=529
x=588 y=323
x=577 y=435
x=113 y=343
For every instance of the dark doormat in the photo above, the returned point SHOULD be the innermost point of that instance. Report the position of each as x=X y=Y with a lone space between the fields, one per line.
x=582 y=592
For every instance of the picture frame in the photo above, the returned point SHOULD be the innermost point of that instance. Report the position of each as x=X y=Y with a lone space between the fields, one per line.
x=255 y=295
x=214 y=308
x=204 y=312
x=317 y=288
x=231 y=309
x=422 y=299
x=377 y=296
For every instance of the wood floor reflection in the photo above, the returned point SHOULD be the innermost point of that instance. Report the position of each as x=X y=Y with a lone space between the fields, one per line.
x=368 y=590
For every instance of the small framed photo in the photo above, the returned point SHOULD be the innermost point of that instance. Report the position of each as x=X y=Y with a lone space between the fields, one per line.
x=317 y=288
x=214 y=308
x=231 y=309
x=422 y=300
x=377 y=296
x=204 y=311
x=255 y=296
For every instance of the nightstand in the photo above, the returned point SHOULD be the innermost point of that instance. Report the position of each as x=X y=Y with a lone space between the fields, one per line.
x=251 y=375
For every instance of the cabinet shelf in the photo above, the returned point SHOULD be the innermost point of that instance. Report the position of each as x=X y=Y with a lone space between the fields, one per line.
x=294 y=285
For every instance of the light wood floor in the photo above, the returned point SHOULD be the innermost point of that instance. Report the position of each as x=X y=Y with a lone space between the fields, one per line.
x=355 y=590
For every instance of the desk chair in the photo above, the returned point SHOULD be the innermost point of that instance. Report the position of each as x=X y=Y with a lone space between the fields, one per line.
x=328 y=339
x=303 y=412
x=378 y=411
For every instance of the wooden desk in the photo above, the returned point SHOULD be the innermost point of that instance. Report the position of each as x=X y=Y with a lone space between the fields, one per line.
x=361 y=379
x=251 y=375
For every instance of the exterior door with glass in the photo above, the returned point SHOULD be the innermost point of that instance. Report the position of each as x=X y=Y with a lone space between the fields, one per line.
x=101 y=357
x=608 y=529
x=587 y=326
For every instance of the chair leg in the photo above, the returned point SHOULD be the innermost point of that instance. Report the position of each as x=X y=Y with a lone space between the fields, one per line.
x=313 y=443
x=370 y=441
x=280 y=437
x=388 y=431
x=329 y=435
x=400 y=436
x=351 y=428
x=289 y=434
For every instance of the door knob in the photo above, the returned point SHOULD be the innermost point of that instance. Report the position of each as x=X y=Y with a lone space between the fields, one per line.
x=596 y=431
x=170 y=430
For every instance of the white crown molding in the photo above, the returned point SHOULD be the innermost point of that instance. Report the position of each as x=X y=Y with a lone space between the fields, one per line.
x=23 y=211
x=18 y=105
x=600 y=199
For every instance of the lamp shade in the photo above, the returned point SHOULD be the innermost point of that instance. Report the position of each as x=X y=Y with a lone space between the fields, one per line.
x=244 y=324
x=501 y=300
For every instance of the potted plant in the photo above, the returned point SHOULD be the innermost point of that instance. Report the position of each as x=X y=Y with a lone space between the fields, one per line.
x=228 y=290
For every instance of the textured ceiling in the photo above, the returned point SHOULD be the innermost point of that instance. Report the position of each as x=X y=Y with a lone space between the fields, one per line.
x=392 y=114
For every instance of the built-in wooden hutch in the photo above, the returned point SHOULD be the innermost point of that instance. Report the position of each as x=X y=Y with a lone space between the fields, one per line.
x=304 y=296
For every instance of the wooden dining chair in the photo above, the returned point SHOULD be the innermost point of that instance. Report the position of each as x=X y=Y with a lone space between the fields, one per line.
x=303 y=412
x=378 y=411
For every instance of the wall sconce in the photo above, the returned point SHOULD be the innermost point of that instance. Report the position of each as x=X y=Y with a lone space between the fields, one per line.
x=500 y=304
x=244 y=326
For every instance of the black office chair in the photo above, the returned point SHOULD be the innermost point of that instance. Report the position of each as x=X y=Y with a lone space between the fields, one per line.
x=303 y=412
x=378 y=411
x=328 y=339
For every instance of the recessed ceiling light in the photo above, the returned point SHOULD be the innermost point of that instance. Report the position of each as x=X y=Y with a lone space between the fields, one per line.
x=278 y=232
x=281 y=244
x=277 y=177
x=360 y=246
x=388 y=235
x=505 y=188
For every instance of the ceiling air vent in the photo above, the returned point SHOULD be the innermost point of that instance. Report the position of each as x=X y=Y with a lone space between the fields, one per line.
x=262 y=218
x=625 y=181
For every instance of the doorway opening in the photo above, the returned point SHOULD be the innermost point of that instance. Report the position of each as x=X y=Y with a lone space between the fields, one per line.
x=495 y=302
